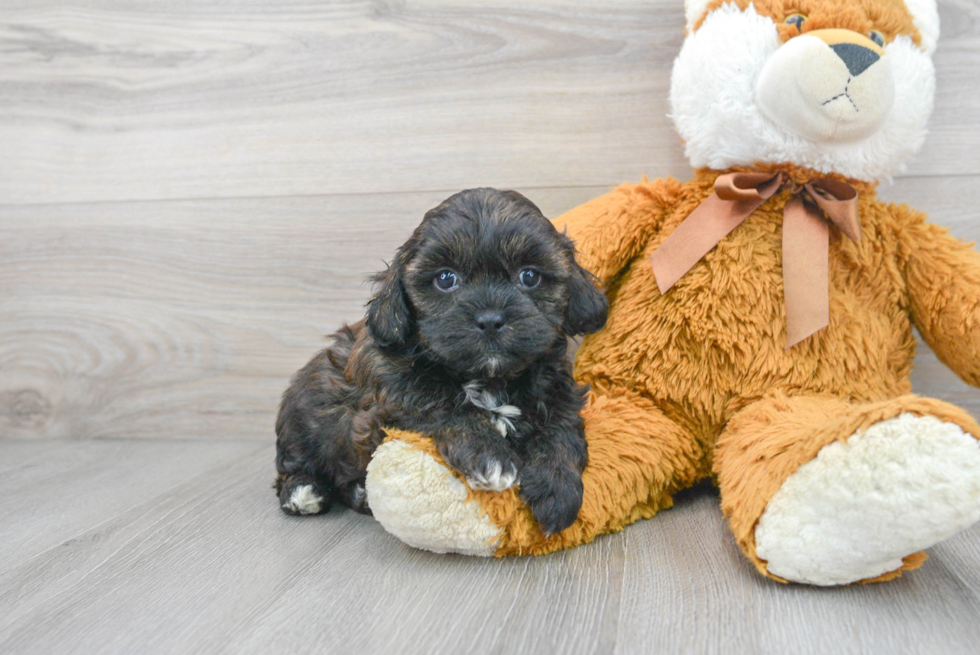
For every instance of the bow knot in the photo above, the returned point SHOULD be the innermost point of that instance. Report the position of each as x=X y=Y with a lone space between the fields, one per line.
x=805 y=238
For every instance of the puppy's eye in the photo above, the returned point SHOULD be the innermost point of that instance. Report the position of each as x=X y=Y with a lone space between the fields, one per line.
x=877 y=37
x=446 y=281
x=529 y=278
x=796 y=19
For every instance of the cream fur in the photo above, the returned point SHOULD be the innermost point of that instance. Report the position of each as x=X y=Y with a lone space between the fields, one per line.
x=859 y=507
x=714 y=104
x=419 y=501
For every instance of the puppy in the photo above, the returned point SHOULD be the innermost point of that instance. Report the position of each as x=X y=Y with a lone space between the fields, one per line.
x=464 y=341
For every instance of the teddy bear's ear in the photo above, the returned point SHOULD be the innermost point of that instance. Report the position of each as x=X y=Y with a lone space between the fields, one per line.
x=925 y=16
x=694 y=10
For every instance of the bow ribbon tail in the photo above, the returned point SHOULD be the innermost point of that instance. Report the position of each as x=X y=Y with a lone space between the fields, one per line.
x=696 y=235
x=806 y=248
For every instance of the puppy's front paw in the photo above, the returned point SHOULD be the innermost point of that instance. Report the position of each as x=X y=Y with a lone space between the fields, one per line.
x=487 y=462
x=492 y=474
x=553 y=494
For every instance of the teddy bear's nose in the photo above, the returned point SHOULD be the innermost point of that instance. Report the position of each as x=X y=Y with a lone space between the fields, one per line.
x=856 y=57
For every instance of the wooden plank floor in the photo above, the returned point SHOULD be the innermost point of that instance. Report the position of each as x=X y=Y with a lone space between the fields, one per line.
x=193 y=192
x=212 y=565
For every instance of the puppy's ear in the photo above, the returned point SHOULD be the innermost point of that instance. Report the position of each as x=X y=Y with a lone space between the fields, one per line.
x=389 y=315
x=587 y=305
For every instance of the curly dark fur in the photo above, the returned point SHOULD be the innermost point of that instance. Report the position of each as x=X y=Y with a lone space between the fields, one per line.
x=406 y=364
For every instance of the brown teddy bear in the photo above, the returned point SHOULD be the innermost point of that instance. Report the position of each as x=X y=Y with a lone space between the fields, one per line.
x=761 y=314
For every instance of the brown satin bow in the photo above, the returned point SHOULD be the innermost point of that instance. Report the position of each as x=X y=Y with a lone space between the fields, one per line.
x=805 y=238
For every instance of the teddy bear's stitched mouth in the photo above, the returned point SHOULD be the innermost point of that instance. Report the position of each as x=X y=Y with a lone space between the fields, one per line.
x=843 y=94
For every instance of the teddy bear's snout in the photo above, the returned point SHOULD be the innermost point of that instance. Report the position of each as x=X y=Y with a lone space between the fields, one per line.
x=827 y=85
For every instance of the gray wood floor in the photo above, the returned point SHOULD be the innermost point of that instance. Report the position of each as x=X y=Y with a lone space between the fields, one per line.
x=193 y=192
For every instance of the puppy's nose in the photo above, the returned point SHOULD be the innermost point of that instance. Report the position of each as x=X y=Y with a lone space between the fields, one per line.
x=490 y=322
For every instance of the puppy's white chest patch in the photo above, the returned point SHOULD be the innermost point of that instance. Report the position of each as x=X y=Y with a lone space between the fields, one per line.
x=501 y=413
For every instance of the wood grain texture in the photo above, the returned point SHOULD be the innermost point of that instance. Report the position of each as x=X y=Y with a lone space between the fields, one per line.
x=53 y=491
x=118 y=100
x=216 y=567
x=684 y=568
x=212 y=566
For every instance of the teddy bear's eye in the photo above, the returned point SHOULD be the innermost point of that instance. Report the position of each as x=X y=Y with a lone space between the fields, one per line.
x=796 y=19
x=877 y=37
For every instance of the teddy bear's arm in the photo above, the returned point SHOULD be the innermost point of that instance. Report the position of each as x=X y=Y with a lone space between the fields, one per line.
x=942 y=275
x=612 y=229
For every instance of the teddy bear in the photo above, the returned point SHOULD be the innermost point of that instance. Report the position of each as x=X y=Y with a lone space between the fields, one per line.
x=761 y=315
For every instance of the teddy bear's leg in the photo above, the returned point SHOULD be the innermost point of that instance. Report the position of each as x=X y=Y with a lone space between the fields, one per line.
x=825 y=492
x=637 y=458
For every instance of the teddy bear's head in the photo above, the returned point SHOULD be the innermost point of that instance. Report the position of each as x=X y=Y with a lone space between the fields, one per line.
x=841 y=86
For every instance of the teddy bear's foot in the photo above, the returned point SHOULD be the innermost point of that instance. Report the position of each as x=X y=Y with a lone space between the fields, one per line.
x=863 y=505
x=822 y=491
x=419 y=500
x=637 y=457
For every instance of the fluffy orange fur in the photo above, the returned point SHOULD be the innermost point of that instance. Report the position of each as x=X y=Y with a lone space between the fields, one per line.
x=890 y=17
x=710 y=352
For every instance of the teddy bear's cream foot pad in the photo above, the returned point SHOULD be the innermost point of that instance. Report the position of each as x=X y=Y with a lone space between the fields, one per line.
x=860 y=506
x=421 y=502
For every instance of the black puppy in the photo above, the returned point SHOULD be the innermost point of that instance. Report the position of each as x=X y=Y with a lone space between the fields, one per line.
x=464 y=341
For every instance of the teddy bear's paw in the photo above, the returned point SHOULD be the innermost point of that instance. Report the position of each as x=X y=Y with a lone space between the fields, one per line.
x=858 y=508
x=421 y=502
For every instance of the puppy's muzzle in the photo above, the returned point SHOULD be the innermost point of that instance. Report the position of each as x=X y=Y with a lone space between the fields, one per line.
x=490 y=322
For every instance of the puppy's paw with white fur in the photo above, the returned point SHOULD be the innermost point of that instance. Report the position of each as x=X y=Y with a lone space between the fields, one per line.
x=486 y=462
x=492 y=475
x=303 y=500
x=301 y=497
